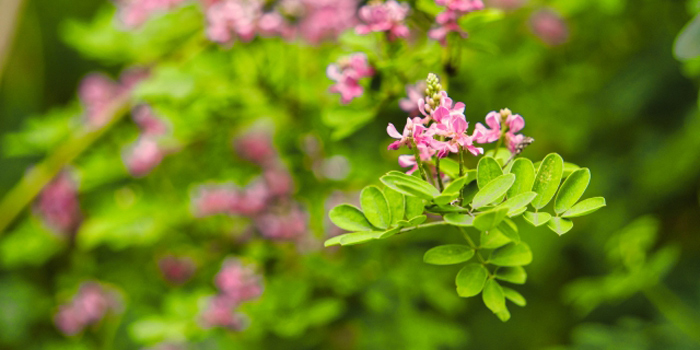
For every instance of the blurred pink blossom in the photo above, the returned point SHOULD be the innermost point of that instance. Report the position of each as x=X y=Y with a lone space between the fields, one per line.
x=287 y=226
x=58 y=204
x=136 y=12
x=88 y=306
x=506 y=4
x=177 y=269
x=448 y=20
x=150 y=124
x=220 y=312
x=256 y=147
x=96 y=93
x=550 y=27
x=237 y=282
x=143 y=156
x=414 y=94
x=325 y=19
x=346 y=73
x=384 y=17
x=215 y=199
x=229 y=20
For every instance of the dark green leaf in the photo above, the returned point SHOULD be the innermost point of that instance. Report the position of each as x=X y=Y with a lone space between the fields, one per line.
x=513 y=274
x=585 y=207
x=524 y=173
x=488 y=220
x=537 y=219
x=375 y=207
x=514 y=254
x=487 y=170
x=349 y=218
x=547 y=180
x=448 y=254
x=493 y=296
x=494 y=190
x=560 y=226
x=470 y=280
x=571 y=190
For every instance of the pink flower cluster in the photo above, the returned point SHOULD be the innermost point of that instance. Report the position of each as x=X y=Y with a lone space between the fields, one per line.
x=58 y=204
x=237 y=284
x=135 y=12
x=313 y=20
x=550 y=27
x=146 y=153
x=267 y=201
x=177 y=269
x=347 y=73
x=384 y=17
x=448 y=20
x=88 y=307
x=415 y=94
x=97 y=92
x=443 y=129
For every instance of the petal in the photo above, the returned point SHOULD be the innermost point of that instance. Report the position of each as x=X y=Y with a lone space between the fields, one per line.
x=391 y=130
x=459 y=124
x=515 y=123
x=441 y=114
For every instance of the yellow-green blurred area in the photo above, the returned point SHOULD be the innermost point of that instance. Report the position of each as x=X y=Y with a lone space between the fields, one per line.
x=604 y=90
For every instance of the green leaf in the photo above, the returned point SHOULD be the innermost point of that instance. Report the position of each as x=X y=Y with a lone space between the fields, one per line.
x=349 y=218
x=547 y=180
x=585 y=207
x=508 y=229
x=572 y=190
x=457 y=219
x=456 y=185
x=397 y=204
x=493 y=239
x=687 y=45
x=512 y=214
x=537 y=219
x=449 y=167
x=358 y=237
x=414 y=207
x=514 y=254
x=512 y=274
x=448 y=254
x=569 y=168
x=494 y=190
x=470 y=191
x=519 y=201
x=493 y=296
x=390 y=232
x=560 y=226
x=504 y=315
x=524 y=173
x=417 y=220
x=489 y=219
x=375 y=207
x=334 y=240
x=514 y=296
x=487 y=170
x=409 y=188
x=470 y=280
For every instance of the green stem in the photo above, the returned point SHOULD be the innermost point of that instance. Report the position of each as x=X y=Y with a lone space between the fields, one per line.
x=439 y=178
x=430 y=224
x=473 y=246
x=419 y=162
x=36 y=178
x=461 y=173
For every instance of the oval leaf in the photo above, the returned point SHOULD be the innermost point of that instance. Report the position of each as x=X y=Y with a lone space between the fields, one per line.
x=349 y=218
x=487 y=170
x=512 y=274
x=508 y=229
x=414 y=207
x=585 y=207
x=519 y=202
x=514 y=296
x=358 y=237
x=537 y=219
x=560 y=226
x=448 y=254
x=524 y=173
x=547 y=180
x=494 y=190
x=492 y=239
x=514 y=254
x=493 y=296
x=397 y=204
x=572 y=190
x=456 y=219
x=490 y=219
x=375 y=207
x=470 y=280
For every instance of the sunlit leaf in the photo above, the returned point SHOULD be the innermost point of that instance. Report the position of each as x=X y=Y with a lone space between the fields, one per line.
x=487 y=170
x=512 y=274
x=514 y=296
x=537 y=219
x=571 y=190
x=518 y=202
x=547 y=180
x=397 y=204
x=524 y=173
x=585 y=207
x=494 y=190
x=560 y=226
x=490 y=219
x=514 y=254
x=349 y=218
x=448 y=254
x=470 y=280
x=456 y=219
x=493 y=296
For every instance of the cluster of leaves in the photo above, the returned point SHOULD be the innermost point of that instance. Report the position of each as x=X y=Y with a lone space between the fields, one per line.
x=487 y=199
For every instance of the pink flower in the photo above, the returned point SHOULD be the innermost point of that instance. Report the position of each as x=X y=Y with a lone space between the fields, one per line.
x=96 y=93
x=454 y=128
x=135 y=12
x=231 y=19
x=515 y=123
x=448 y=20
x=324 y=19
x=177 y=270
x=279 y=182
x=220 y=313
x=288 y=226
x=237 y=282
x=462 y=6
x=415 y=94
x=214 y=199
x=506 y=4
x=252 y=200
x=149 y=123
x=143 y=156
x=256 y=147
x=347 y=73
x=384 y=17
x=550 y=27
x=415 y=130
x=485 y=135
x=58 y=204
x=88 y=306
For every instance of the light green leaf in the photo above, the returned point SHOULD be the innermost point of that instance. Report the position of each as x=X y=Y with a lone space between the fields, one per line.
x=560 y=226
x=585 y=207
x=456 y=185
x=547 y=180
x=572 y=190
x=349 y=218
x=470 y=280
x=457 y=219
x=519 y=201
x=687 y=45
x=493 y=296
x=501 y=156
x=409 y=187
x=514 y=254
x=488 y=220
x=358 y=237
x=449 y=167
x=524 y=173
x=375 y=207
x=414 y=207
x=334 y=240
x=508 y=229
x=514 y=296
x=512 y=274
x=417 y=220
x=512 y=214
x=492 y=239
x=390 y=232
x=487 y=170
x=493 y=190
x=504 y=315
x=537 y=219
x=397 y=204
x=448 y=254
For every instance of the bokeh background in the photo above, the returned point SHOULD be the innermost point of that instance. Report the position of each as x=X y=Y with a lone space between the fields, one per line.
x=596 y=80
